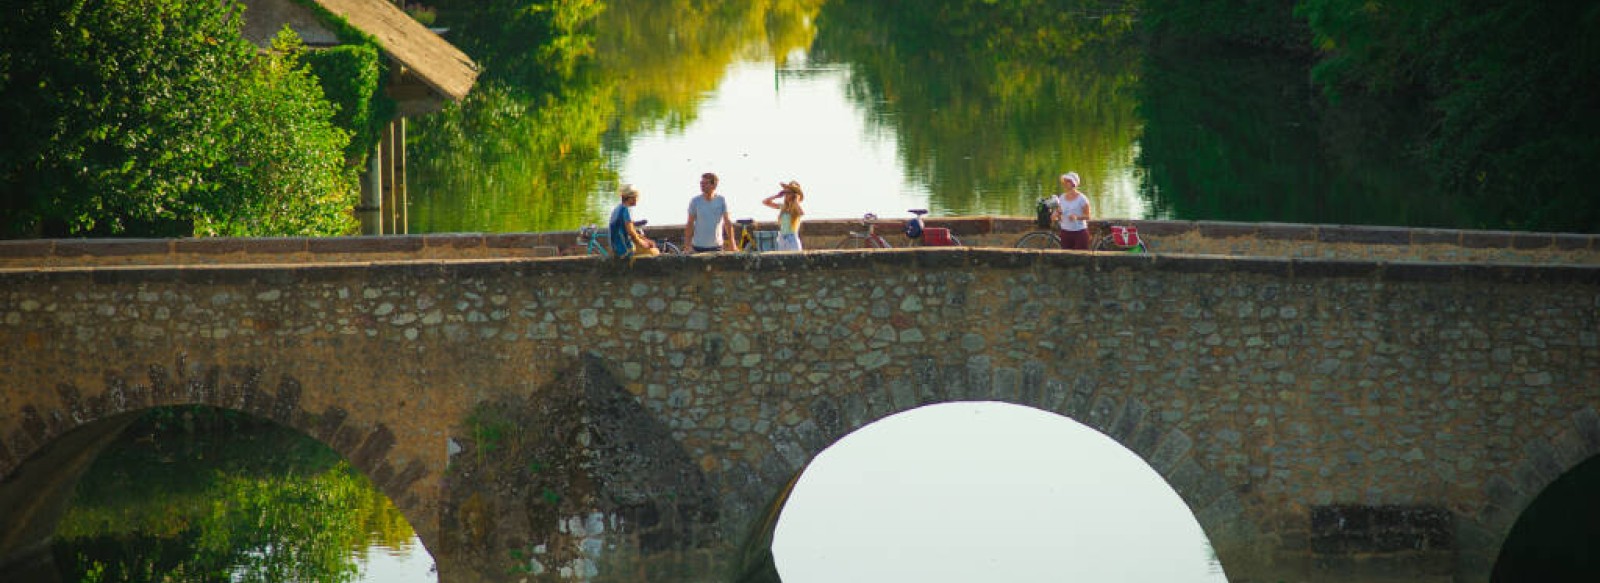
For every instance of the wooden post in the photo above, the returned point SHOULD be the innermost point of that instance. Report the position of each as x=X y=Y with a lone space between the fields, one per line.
x=386 y=164
x=370 y=211
x=400 y=177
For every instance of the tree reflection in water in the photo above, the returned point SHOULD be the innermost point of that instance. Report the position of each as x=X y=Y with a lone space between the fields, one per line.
x=202 y=494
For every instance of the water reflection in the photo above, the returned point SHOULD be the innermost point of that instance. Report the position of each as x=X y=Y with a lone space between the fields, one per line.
x=1242 y=135
x=988 y=107
x=961 y=106
x=199 y=494
x=873 y=107
x=946 y=493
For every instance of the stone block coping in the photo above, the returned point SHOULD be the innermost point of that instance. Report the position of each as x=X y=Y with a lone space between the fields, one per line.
x=1363 y=244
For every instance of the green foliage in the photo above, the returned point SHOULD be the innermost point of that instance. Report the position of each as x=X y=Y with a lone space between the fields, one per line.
x=351 y=78
x=1237 y=134
x=1509 y=87
x=287 y=174
x=503 y=162
x=1257 y=23
x=196 y=493
x=422 y=14
x=131 y=112
x=531 y=45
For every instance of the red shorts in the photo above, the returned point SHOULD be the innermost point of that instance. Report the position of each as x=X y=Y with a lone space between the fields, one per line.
x=1074 y=239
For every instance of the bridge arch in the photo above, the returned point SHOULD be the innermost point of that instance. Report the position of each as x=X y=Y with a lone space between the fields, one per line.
x=57 y=444
x=974 y=469
x=1571 y=446
x=1123 y=419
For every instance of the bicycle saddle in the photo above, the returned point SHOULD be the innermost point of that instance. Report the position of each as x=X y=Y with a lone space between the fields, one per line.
x=918 y=212
x=745 y=221
x=641 y=223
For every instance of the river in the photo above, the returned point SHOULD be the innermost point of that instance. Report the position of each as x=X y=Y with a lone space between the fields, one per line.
x=871 y=110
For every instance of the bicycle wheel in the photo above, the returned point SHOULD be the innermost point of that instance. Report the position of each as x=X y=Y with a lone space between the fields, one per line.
x=1105 y=244
x=1039 y=240
x=668 y=248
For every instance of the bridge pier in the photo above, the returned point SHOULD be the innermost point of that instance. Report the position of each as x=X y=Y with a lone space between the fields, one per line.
x=580 y=482
x=35 y=497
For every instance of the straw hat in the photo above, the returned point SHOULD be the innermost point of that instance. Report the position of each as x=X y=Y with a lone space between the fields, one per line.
x=793 y=186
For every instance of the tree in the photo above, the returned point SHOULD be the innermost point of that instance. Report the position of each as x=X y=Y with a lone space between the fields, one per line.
x=127 y=114
x=1509 y=86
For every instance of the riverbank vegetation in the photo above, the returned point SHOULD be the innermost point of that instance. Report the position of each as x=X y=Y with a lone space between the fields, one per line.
x=1493 y=102
x=202 y=494
x=156 y=117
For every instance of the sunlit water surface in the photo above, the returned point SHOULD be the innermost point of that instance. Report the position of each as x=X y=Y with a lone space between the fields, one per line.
x=768 y=123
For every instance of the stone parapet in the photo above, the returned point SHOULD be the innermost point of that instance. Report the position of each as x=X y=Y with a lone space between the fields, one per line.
x=1233 y=239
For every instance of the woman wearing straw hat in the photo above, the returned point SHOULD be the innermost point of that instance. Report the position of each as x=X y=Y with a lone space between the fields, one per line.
x=789 y=214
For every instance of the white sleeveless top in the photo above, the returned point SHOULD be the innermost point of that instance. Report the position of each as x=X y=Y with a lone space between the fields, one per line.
x=1075 y=206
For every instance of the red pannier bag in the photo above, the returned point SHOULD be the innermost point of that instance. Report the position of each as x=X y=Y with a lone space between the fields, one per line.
x=1125 y=236
x=936 y=236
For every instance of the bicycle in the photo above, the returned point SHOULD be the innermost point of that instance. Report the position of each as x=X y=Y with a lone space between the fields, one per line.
x=1039 y=240
x=925 y=236
x=866 y=238
x=590 y=237
x=1044 y=235
x=749 y=240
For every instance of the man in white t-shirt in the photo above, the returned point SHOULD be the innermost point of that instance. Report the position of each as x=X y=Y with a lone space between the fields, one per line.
x=701 y=232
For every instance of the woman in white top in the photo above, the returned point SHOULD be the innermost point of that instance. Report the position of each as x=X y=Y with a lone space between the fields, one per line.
x=1072 y=214
x=789 y=214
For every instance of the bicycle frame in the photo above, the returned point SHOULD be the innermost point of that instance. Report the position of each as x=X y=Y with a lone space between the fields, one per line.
x=589 y=236
x=867 y=237
x=745 y=240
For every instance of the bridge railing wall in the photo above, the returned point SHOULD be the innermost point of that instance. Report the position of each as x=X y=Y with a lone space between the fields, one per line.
x=1238 y=239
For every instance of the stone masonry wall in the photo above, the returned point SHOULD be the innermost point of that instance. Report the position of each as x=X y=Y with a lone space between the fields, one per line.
x=1268 y=391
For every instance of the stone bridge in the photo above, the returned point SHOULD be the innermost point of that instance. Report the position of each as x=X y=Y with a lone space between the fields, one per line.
x=1332 y=403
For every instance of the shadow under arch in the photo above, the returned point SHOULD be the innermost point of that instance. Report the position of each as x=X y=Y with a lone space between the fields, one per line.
x=56 y=445
x=1544 y=519
x=1163 y=454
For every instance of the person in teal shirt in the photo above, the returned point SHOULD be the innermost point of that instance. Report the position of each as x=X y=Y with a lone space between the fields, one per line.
x=625 y=237
x=789 y=214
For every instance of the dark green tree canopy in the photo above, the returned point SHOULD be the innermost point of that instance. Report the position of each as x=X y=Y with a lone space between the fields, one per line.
x=125 y=115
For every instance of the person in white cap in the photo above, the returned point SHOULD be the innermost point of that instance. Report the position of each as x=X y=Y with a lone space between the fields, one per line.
x=1072 y=214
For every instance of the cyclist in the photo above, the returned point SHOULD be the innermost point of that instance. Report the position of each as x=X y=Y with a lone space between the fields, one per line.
x=1072 y=214
x=626 y=241
x=789 y=213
